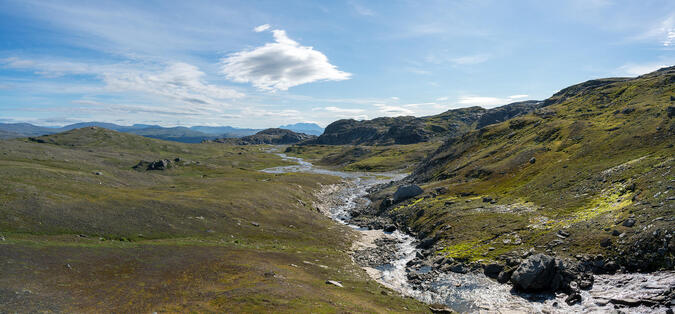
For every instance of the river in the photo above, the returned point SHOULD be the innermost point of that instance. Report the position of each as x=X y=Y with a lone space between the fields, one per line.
x=473 y=291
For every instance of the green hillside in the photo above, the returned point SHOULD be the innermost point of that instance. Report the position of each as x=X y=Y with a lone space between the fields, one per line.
x=596 y=158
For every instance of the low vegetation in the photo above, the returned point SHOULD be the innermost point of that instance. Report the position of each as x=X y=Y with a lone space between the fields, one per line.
x=82 y=231
x=589 y=173
x=365 y=158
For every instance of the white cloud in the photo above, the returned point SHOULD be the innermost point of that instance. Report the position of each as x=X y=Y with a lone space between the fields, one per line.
x=343 y=110
x=393 y=111
x=280 y=65
x=472 y=59
x=639 y=69
x=257 y=112
x=670 y=37
x=261 y=28
x=178 y=81
x=361 y=10
x=662 y=31
x=518 y=96
x=442 y=98
x=488 y=102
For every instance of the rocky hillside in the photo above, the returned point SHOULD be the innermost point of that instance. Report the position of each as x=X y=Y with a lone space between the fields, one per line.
x=410 y=130
x=272 y=136
x=587 y=177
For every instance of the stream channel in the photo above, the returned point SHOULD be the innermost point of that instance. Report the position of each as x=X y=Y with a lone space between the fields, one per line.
x=471 y=292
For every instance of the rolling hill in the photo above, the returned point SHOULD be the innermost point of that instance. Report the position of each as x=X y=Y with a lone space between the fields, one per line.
x=411 y=130
x=588 y=174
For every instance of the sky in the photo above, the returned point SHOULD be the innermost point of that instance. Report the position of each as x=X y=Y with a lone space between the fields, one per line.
x=266 y=63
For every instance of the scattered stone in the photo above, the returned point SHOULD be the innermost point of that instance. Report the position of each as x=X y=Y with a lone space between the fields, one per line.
x=407 y=191
x=255 y=224
x=573 y=298
x=505 y=275
x=269 y=274
x=161 y=164
x=606 y=242
x=69 y=267
x=616 y=233
x=334 y=283
x=533 y=160
x=535 y=273
x=628 y=110
x=487 y=199
x=98 y=173
x=493 y=270
x=629 y=222
x=439 y=308
x=563 y=234
x=390 y=228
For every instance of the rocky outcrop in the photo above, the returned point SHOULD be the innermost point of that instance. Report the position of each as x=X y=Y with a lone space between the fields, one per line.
x=161 y=164
x=535 y=273
x=269 y=136
x=410 y=130
x=510 y=111
x=407 y=191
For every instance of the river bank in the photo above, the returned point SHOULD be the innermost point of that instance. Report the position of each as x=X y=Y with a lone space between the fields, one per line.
x=396 y=260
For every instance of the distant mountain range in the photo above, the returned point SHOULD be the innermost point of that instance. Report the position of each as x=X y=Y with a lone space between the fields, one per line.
x=194 y=134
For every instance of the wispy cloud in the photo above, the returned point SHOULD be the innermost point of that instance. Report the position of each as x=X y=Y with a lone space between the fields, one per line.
x=261 y=28
x=280 y=65
x=394 y=111
x=179 y=81
x=520 y=96
x=470 y=59
x=343 y=110
x=488 y=102
x=633 y=69
x=360 y=9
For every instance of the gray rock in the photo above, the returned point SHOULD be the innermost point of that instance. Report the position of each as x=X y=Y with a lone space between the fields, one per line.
x=573 y=298
x=505 y=275
x=407 y=191
x=535 y=273
x=629 y=222
x=493 y=270
x=606 y=242
x=334 y=283
x=533 y=160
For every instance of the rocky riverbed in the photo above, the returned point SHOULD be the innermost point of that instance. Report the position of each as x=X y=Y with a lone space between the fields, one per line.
x=405 y=264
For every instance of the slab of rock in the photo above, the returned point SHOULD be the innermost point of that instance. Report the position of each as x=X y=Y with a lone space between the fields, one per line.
x=407 y=191
x=334 y=283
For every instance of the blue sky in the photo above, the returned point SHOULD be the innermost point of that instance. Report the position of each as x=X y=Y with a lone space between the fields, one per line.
x=267 y=63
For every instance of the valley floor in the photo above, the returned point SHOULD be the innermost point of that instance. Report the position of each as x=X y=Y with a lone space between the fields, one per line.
x=81 y=230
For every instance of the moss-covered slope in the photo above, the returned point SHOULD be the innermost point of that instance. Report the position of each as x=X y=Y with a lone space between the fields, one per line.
x=596 y=158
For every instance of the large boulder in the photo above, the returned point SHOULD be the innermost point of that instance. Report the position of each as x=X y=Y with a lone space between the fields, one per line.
x=534 y=274
x=407 y=191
